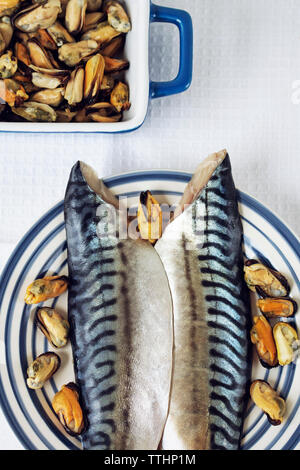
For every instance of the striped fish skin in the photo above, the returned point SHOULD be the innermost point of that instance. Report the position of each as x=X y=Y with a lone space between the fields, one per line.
x=202 y=254
x=120 y=313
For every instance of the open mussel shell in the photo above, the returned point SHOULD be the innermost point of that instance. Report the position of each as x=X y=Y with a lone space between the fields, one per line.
x=6 y=33
x=115 y=65
x=117 y=16
x=8 y=7
x=42 y=369
x=39 y=56
x=22 y=56
x=74 y=88
x=107 y=83
x=35 y=112
x=287 y=343
x=102 y=112
x=149 y=217
x=59 y=34
x=51 y=97
x=37 y=16
x=103 y=33
x=111 y=48
x=276 y=307
x=265 y=281
x=72 y=53
x=53 y=326
x=262 y=337
x=75 y=15
x=66 y=405
x=8 y=65
x=269 y=401
x=45 y=39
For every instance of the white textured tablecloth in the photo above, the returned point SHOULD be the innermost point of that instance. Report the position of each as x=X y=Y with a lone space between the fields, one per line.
x=245 y=97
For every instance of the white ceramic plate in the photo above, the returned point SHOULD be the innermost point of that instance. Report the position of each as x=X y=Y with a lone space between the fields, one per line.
x=43 y=250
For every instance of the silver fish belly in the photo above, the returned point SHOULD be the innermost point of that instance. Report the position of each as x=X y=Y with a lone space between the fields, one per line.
x=202 y=254
x=120 y=313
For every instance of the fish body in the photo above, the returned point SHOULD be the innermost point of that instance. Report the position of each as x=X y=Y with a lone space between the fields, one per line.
x=202 y=254
x=120 y=315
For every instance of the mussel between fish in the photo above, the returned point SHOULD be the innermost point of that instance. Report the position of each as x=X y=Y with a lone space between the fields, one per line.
x=149 y=217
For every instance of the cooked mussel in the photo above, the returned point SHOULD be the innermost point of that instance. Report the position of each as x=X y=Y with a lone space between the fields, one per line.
x=92 y=19
x=117 y=16
x=8 y=7
x=287 y=343
x=53 y=326
x=39 y=56
x=8 y=65
x=94 y=72
x=35 y=112
x=103 y=33
x=265 y=281
x=119 y=97
x=72 y=53
x=37 y=16
x=262 y=337
x=149 y=217
x=276 y=307
x=269 y=401
x=51 y=71
x=115 y=65
x=94 y=5
x=59 y=34
x=65 y=115
x=46 y=288
x=113 y=47
x=42 y=369
x=67 y=407
x=102 y=112
x=75 y=15
x=12 y=92
x=6 y=33
x=48 y=78
x=74 y=88
x=22 y=56
x=107 y=83
x=45 y=39
x=47 y=96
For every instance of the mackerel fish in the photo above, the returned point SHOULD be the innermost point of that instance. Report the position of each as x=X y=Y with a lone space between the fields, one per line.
x=120 y=313
x=201 y=250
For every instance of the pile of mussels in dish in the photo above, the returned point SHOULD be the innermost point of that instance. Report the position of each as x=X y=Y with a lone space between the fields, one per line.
x=60 y=60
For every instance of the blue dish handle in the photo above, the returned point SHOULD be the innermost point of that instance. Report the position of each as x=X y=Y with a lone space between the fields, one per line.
x=183 y=21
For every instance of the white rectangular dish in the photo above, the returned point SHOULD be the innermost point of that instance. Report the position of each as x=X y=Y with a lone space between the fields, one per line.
x=142 y=13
